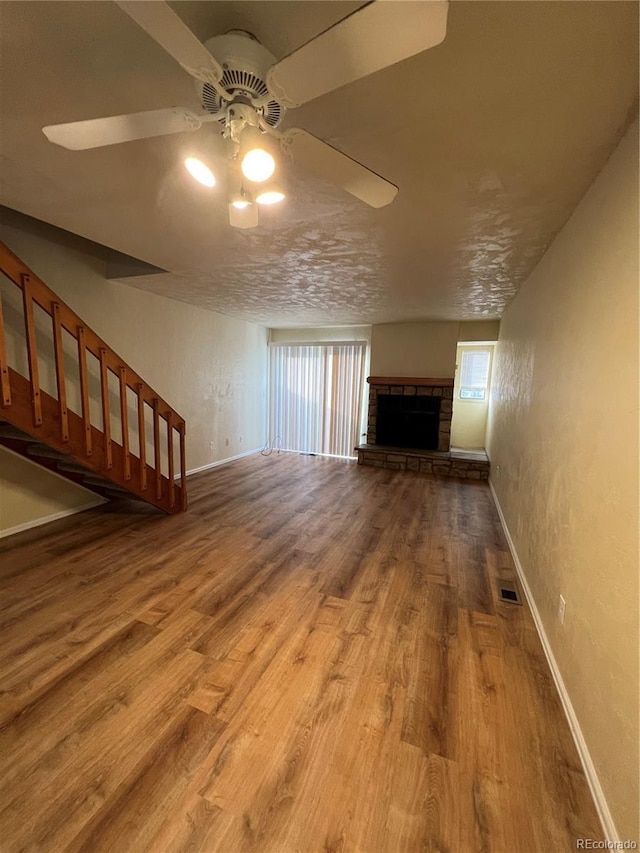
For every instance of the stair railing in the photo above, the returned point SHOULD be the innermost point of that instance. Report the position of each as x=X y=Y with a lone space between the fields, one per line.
x=50 y=420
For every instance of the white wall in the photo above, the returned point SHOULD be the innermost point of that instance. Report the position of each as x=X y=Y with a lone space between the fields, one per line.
x=563 y=442
x=211 y=368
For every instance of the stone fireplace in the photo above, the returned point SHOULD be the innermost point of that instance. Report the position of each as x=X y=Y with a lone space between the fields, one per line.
x=424 y=407
x=409 y=428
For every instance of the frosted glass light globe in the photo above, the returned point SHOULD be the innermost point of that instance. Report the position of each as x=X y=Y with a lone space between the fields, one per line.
x=258 y=165
x=200 y=172
x=270 y=197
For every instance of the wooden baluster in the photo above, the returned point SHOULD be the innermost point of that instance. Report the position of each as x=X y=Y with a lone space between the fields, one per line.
x=84 y=391
x=106 y=418
x=156 y=447
x=58 y=353
x=32 y=351
x=124 y=419
x=5 y=389
x=183 y=467
x=142 y=440
x=172 y=499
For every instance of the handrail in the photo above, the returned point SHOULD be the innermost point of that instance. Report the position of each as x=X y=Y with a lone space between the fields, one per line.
x=34 y=290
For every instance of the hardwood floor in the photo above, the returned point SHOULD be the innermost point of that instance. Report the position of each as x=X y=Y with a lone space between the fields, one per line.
x=313 y=658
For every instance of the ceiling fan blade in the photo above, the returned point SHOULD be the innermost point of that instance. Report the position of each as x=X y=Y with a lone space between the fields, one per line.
x=374 y=37
x=246 y=217
x=159 y=21
x=97 y=132
x=326 y=162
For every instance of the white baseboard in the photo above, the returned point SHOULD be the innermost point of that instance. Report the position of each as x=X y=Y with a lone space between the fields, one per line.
x=606 y=819
x=45 y=519
x=223 y=461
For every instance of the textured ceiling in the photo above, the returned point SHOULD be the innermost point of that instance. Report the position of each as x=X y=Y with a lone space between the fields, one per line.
x=492 y=137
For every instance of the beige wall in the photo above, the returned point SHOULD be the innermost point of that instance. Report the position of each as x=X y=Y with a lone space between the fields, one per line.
x=210 y=368
x=564 y=454
x=479 y=330
x=322 y=334
x=426 y=348
x=29 y=492
x=414 y=349
x=469 y=421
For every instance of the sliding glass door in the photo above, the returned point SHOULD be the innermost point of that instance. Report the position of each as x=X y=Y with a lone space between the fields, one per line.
x=317 y=394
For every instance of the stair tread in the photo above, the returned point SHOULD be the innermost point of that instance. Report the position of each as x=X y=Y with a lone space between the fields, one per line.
x=97 y=479
x=9 y=431
x=46 y=451
x=126 y=495
x=91 y=478
x=104 y=483
x=72 y=468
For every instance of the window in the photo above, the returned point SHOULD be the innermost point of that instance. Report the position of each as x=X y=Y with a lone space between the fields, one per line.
x=474 y=374
x=317 y=397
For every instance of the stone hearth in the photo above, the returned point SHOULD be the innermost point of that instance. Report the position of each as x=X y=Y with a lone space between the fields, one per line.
x=454 y=463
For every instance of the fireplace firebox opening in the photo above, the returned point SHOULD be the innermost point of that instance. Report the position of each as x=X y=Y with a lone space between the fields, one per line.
x=408 y=421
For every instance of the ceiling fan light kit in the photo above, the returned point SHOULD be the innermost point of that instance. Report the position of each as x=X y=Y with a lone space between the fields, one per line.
x=245 y=93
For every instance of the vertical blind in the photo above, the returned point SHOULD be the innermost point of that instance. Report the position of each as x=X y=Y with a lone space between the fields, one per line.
x=317 y=396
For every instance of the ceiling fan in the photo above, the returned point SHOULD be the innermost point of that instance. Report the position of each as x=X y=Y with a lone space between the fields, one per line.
x=245 y=93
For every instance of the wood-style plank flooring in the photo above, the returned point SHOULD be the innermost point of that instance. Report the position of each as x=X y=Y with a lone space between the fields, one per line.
x=313 y=658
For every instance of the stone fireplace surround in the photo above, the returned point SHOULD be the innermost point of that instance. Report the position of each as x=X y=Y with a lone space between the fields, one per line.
x=473 y=466
x=411 y=387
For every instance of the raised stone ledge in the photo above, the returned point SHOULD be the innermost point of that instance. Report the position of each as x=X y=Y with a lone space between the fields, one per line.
x=410 y=380
x=454 y=463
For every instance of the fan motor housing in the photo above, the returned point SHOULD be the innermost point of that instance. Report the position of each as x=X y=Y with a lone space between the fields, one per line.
x=245 y=62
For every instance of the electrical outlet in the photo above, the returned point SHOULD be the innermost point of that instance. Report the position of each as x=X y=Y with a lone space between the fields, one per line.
x=562 y=605
x=212 y=445
x=226 y=442
x=240 y=439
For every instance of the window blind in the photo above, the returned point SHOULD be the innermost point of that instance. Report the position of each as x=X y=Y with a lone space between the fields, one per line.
x=316 y=396
x=475 y=369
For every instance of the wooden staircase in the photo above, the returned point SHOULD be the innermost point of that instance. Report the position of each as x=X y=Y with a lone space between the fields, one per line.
x=44 y=428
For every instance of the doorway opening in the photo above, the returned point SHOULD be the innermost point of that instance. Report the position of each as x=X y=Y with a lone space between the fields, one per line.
x=471 y=392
